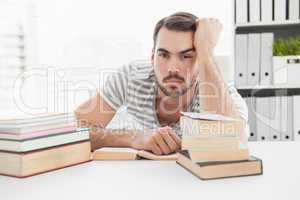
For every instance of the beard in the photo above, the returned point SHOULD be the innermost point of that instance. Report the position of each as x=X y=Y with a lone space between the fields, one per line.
x=175 y=93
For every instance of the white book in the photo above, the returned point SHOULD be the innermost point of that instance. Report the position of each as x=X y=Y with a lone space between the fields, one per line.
x=241 y=11
x=266 y=11
x=294 y=8
x=275 y=118
x=254 y=10
x=263 y=118
x=296 y=113
x=241 y=54
x=286 y=118
x=253 y=59
x=279 y=10
x=42 y=142
x=14 y=120
x=266 y=59
x=251 y=104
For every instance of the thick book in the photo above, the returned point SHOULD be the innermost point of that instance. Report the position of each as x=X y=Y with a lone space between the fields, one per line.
x=35 y=134
x=219 y=154
x=22 y=165
x=220 y=169
x=112 y=153
x=209 y=125
x=43 y=142
x=29 y=128
x=28 y=119
x=208 y=143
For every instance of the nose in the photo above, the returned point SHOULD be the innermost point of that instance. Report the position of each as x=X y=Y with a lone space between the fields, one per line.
x=173 y=67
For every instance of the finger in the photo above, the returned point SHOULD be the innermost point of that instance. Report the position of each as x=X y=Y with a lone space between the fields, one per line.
x=161 y=143
x=170 y=141
x=175 y=137
x=155 y=148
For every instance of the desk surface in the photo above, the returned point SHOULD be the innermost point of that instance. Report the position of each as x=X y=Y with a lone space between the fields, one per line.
x=162 y=179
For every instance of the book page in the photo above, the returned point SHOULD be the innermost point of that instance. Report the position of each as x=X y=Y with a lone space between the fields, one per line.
x=151 y=156
x=207 y=116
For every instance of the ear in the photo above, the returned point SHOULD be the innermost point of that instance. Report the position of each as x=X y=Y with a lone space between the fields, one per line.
x=152 y=56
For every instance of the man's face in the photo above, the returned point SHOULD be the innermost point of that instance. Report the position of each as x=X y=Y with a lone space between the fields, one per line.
x=174 y=60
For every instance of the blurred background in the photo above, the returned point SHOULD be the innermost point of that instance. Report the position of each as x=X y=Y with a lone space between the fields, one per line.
x=55 y=53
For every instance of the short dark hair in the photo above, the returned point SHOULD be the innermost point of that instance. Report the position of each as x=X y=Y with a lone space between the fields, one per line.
x=179 y=21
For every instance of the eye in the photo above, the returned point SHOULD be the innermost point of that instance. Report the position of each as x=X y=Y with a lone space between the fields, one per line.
x=163 y=55
x=187 y=56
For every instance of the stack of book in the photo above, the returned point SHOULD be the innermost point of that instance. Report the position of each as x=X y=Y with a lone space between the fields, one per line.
x=35 y=144
x=212 y=147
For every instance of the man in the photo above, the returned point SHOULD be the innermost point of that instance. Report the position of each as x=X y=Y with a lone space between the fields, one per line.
x=182 y=76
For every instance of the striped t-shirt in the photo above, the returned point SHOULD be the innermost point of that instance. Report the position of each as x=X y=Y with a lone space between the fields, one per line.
x=134 y=87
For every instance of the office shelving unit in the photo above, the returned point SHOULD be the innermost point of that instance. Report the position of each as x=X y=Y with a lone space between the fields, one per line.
x=281 y=29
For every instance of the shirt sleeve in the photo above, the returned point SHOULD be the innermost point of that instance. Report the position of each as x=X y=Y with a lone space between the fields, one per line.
x=113 y=89
x=238 y=101
x=240 y=106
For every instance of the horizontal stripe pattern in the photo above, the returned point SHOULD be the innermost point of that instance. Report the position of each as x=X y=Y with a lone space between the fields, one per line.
x=134 y=86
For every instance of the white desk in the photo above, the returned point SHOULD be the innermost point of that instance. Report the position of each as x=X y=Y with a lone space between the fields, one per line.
x=162 y=180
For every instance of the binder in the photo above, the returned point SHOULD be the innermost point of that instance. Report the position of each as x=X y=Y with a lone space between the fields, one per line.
x=279 y=10
x=280 y=70
x=286 y=126
x=263 y=118
x=294 y=8
x=241 y=54
x=254 y=10
x=253 y=59
x=266 y=11
x=250 y=101
x=296 y=116
x=241 y=11
x=266 y=60
x=275 y=114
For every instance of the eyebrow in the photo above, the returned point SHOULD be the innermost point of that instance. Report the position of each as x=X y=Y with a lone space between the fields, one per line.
x=181 y=52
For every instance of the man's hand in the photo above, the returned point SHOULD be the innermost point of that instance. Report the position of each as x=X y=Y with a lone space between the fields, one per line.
x=207 y=34
x=159 y=141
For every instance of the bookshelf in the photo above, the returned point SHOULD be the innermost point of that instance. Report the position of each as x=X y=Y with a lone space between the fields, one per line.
x=281 y=29
x=273 y=109
x=269 y=24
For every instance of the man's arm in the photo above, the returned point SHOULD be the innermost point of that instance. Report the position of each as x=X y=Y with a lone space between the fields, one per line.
x=215 y=96
x=96 y=114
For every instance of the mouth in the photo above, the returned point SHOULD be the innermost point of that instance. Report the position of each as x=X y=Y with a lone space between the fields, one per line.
x=173 y=80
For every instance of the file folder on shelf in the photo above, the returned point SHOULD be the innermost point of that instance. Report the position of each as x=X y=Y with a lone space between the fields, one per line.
x=266 y=59
x=286 y=129
x=279 y=10
x=266 y=11
x=296 y=116
x=241 y=53
x=275 y=115
x=254 y=10
x=241 y=11
x=263 y=118
x=294 y=8
x=253 y=59
x=250 y=101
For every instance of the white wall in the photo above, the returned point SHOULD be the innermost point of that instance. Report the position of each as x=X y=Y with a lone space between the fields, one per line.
x=80 y=33
x=84 y=34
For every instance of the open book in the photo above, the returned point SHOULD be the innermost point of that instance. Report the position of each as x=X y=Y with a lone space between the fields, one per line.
x=111 y=153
